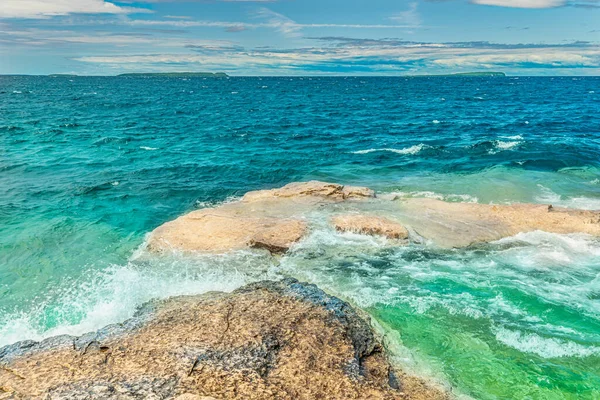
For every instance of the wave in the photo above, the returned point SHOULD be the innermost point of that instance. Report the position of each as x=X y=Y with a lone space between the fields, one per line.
x=579 y=202
x=544 y=347
x=460 y=198
x=409 y=150
x=502 y=145
x=113 y=295
x=148 y=148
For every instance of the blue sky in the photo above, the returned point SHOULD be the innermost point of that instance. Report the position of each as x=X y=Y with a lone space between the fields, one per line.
x=300 y=37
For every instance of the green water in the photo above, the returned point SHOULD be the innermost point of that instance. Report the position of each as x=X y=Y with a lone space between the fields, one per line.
x=90 y=165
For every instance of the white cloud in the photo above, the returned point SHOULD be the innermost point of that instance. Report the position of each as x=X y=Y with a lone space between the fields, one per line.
x=522 y=3
x=283 y=24
x=49 y=8
x=546 y=57
x=441 y=57
x=410 y=17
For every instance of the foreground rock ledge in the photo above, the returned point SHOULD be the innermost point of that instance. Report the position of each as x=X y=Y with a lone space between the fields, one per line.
x=270 y=340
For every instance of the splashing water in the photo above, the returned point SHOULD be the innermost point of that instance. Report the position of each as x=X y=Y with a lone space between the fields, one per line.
x=83 y=178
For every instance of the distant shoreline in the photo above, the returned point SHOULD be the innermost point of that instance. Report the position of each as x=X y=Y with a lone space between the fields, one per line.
x=224 y=75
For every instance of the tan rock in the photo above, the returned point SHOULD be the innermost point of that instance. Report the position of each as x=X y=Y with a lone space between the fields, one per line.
x=271 y=340
x=269 y=219
x=278 y=237
x=463 y=224
x=188 y=396
x=370 y=225
x=218 y=231
x=315 y=189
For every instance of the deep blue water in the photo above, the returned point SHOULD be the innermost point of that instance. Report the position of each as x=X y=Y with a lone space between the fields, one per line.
x=89 y=165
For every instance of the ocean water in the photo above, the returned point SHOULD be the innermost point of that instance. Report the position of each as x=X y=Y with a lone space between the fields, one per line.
x=90 y=165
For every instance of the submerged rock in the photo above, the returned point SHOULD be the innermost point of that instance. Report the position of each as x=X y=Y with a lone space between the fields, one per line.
x=463 y=224
x=269 y=340
x=370 y=225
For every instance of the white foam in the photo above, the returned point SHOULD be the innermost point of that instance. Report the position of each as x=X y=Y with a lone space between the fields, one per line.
x=409 y=150
x=580 y=202
x=148 y=148
x=544 y=347
x=463 y=198
x=435 y=121
x=112 y=295
x=505 y=145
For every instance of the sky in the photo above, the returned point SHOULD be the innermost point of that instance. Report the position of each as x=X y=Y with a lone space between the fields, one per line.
x=300 y=37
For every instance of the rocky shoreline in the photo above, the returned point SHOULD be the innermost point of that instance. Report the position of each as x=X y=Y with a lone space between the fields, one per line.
x=268 y=340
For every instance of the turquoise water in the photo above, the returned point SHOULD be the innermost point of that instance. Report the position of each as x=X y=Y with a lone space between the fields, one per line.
x=88 y=166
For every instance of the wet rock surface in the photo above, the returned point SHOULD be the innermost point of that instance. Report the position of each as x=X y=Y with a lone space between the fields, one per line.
x=370 y=225
x=463 y=224
x=277 y=219
x=269 y=340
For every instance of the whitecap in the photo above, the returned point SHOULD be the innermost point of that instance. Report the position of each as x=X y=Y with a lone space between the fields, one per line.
x=507 y=145
x=409 y=150
x=148 y=148
x=435 y=121
x=500 y=145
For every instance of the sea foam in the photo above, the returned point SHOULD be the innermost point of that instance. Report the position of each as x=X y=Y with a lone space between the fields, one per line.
x=408 y=150
x=544 y=347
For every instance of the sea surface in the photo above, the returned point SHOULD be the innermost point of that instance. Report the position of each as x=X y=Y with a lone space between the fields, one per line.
x=90 y=165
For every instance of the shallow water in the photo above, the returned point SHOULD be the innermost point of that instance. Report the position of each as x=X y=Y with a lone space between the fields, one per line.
x=88 y=166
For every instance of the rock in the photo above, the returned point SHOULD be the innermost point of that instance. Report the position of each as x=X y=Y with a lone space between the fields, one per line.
x=188 y=396
x=222 y=229
x=314 y=189
x=269 y=340
x=370 y=225
x=463 y=224
x=279 y=237
x=268 y=219
x=276 y=219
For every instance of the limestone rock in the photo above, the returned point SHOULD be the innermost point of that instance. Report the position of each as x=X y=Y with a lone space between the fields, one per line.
x=315 y=189
x=269 y=340
x=463 y=224
x=370 y=225
x=269 y=219
x=218 y=231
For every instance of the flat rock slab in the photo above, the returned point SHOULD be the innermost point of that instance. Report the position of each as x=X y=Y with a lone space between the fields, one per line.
x=268 y=219
x=312 y=189
x=270 y=340
x=276 y=219
x=464 y=224
x=222 y=230
x=370 y=225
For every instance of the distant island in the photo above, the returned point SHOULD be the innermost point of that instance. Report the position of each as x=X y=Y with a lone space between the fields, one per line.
x=62 y=75
x=178 y=74
x=466 y=74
